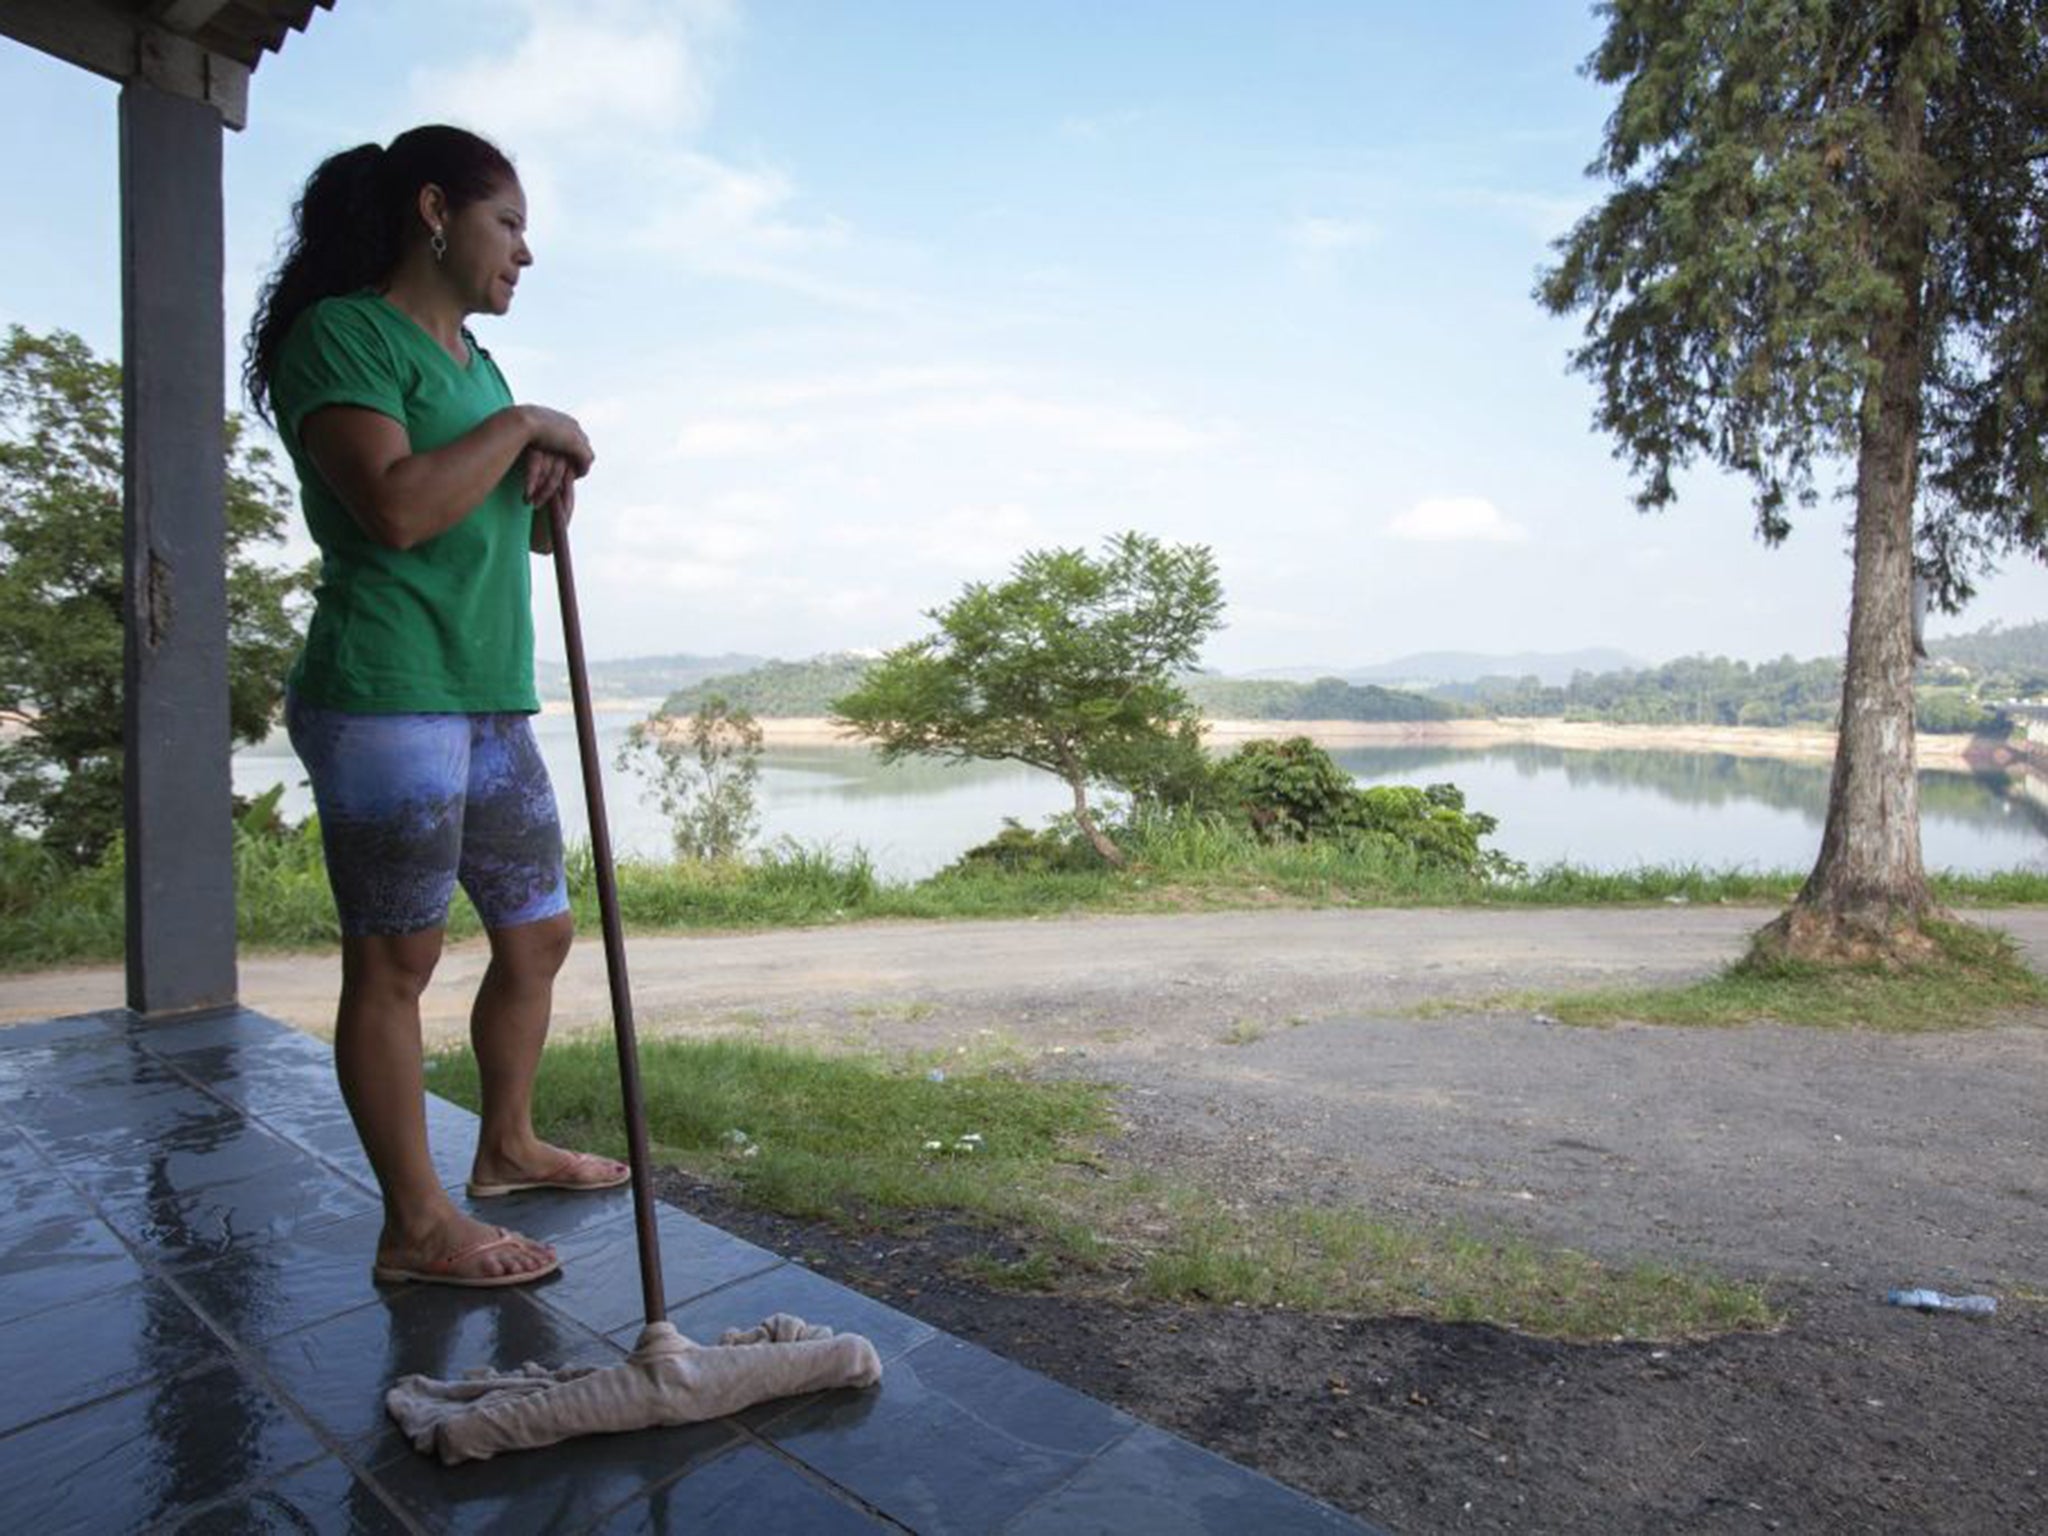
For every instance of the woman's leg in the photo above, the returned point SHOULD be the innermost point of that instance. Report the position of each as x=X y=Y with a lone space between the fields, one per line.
x=389 y=790
x=512 y=869
x=377 y=1056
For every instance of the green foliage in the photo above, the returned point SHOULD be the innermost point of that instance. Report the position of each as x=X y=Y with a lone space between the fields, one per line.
x=1289 y=788
x=1781 y=180
x=1294 y=790
x=777 y=690
x=1693 y=690
x=61 y=592
x=1327 y=698
x=1068 y=666
x=1017 y=849
x=1950 y=711
x=702 y=773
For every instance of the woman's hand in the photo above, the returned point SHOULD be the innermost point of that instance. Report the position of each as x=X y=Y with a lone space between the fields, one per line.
x=550 y=482
x=558 y=433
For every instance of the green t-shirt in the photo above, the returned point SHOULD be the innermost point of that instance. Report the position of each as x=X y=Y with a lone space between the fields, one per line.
x=446 y=626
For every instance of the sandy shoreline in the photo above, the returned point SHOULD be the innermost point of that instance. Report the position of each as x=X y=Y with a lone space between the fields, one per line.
x=1794 y=743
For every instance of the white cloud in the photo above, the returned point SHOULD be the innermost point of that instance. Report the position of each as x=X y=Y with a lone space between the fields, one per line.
x=881 y=382
x=1317 y=238
x=727 y=437
x=1456 y=520
x=1108 y=428
x=979 y=539
x=678 y=533
x=587 y=67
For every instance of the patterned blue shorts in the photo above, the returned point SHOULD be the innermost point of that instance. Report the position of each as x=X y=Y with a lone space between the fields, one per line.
x=411 y=804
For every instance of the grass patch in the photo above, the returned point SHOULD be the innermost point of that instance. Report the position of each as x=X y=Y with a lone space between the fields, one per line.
x=1976 y=976
x=1325 y=1260
x=51 y=914
x=863 y=1140
x=1241 y=1032
x=831 y=1134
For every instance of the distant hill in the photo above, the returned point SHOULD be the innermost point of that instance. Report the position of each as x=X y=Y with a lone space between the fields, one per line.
x=1551 y=668
x=1326 y=698
x=776 y=690
x=640 y=677
x=2014 y=657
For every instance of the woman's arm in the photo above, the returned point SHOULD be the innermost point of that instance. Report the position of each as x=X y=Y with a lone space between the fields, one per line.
x=401 y=498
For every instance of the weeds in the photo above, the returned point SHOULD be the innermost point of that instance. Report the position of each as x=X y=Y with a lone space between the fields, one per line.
x=864 y=1141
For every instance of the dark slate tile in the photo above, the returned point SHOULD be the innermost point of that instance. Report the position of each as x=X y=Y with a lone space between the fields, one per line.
x=193 y=1226
x=142 y=1107
x=748 y=1490
x=259 y=1290
x=40 y=1197
x=116 y=1135
x=61 y=1259
x=165 y=1124
x=232 y=1029
x=75 y=1027
x=81 y=1059
x=802 y=1292
x=587 y=1218
x=80 y=1350
x=600 y=1282
x=148 y=1456
x=20 y=1161
x=325 y=1499
x=336 y=1143
x=294 y=1100
x=1154 y=1481
x=558 y=1489
x=1020 y=1402
x=339 y=1371
x=189 y=1154
x=452 y=1131
x=985 y=1443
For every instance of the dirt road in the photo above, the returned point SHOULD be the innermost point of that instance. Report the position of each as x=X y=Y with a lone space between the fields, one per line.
x=1279 y=1050
x=1281 y=1055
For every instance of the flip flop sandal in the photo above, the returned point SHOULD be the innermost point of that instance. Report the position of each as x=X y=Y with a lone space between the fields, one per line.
x=442 y=1271
x=557 y=1177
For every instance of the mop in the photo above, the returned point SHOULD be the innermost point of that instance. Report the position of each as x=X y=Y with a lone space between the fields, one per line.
x=668 y=1378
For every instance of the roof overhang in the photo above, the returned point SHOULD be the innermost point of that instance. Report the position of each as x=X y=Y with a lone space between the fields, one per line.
x=204 y=50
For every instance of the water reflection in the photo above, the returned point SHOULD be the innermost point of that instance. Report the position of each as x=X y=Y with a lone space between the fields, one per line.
x=1607 y=809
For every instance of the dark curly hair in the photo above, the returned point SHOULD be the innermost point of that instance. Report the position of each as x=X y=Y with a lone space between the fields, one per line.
x=350 y=225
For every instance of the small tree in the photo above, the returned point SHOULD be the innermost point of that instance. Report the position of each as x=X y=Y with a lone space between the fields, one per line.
x=1068 y=666
x=61 y=592
x=702 y=772
x=1824 y=244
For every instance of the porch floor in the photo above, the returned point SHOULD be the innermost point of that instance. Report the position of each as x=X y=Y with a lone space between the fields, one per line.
x=190 y=1340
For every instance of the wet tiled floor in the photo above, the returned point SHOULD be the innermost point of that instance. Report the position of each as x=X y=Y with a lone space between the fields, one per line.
x=190 y=1340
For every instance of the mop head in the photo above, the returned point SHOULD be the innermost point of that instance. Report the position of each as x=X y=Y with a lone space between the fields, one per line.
x=668 y=1379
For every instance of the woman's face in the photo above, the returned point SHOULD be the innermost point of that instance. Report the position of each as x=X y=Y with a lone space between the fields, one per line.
x=487 y=249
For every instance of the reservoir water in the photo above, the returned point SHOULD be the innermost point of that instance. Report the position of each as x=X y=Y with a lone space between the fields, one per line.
x=1604 y=810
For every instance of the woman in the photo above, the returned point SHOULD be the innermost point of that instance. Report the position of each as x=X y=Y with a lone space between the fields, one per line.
x=424 y=486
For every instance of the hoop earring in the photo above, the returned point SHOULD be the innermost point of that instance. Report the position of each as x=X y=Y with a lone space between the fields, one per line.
x=438 y=243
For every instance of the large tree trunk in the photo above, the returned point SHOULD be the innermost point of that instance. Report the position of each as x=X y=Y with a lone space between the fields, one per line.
x=1868 y=890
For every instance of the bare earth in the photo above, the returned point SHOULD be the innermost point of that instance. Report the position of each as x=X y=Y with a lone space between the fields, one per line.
x=1799 y=742
x=1831 y=1164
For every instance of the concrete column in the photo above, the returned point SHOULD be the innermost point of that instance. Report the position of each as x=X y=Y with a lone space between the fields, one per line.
x=179 y=817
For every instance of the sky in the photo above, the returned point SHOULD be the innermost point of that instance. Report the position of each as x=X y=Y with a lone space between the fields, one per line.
x=859 y=302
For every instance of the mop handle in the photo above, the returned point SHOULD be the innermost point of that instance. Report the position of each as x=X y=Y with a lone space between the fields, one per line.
x=614 y=933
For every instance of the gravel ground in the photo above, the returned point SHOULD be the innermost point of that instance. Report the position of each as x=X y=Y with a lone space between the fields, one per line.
x=1280 y=1054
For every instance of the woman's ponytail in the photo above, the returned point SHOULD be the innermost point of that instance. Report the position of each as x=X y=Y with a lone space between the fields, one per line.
x=350 y=226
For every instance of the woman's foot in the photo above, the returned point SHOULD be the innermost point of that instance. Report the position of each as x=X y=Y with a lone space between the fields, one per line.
x=462 y=1251
x=541 y=1166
